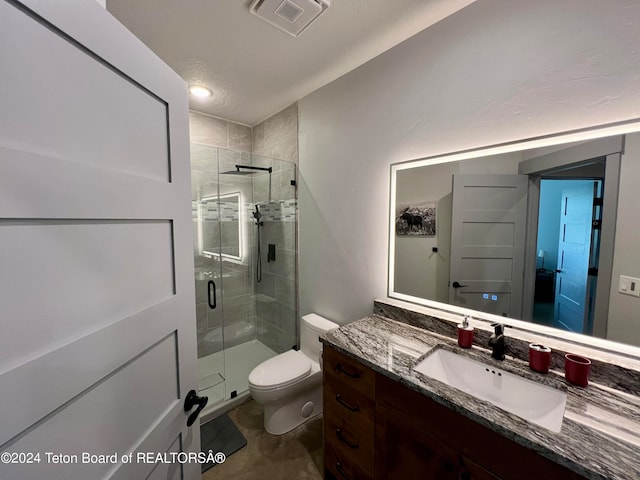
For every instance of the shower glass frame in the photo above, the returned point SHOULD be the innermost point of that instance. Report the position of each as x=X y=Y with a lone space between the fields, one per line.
x=260 y=318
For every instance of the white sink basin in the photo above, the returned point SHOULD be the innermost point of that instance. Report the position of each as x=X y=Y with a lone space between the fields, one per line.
x=536 y=403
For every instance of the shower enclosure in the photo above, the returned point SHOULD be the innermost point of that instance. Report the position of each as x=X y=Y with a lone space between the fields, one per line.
x=244 y=213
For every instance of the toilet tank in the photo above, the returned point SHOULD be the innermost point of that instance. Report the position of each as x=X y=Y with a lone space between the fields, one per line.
x=311 y=327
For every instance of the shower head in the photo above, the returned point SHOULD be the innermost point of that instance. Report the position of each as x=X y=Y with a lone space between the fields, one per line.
x=234 y=172
x=251 y=169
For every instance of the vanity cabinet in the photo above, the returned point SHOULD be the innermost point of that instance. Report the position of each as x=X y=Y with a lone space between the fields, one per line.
x=349 y=417
x=403 y=448
x=377 y=428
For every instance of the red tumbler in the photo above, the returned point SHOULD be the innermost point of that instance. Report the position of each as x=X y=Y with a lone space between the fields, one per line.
x=577 y=369
x=539 y=358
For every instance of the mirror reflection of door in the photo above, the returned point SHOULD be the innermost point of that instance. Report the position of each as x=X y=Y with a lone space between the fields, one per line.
x=422 y=268
x=567 y=253
x=487 y=243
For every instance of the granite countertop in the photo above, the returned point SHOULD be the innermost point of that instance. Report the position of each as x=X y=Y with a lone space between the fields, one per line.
x=600 y=434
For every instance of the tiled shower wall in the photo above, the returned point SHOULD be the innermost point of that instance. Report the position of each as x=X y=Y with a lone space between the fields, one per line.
x=214 y=132
x=276 y=307
x=276 y=301
x=266 y=310
x=277 y=136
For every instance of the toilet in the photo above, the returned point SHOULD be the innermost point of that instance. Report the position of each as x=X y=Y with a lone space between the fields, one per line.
x=289 y=385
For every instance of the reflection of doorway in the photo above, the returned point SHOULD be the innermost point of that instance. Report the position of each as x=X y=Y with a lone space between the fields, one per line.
x=567 y=251
x=586 y=161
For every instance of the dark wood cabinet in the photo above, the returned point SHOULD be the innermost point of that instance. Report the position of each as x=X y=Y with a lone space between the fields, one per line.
x=404 y=450
x=375 y=427
x=470 y=470
x=349 y=417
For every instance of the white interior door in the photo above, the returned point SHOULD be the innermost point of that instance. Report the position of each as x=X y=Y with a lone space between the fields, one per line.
x=574 y=245
x=487 y=242
x=97 y=350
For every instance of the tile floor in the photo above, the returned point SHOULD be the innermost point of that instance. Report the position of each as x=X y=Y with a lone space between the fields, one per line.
x=296 y=455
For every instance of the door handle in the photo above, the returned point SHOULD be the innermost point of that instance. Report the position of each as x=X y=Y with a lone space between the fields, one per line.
x=340 y=368
x=344 y=440
x=348 y=406
x=558 y=271
x=211 y=294
x=458 y=285
x=192 y=399
x=341 y=471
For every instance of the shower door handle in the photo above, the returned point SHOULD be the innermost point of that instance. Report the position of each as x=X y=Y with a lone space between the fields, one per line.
x=192 y=399
x=211 y=294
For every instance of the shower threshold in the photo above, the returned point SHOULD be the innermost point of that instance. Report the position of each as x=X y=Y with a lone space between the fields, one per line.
x=210 y=381
x=237 y=362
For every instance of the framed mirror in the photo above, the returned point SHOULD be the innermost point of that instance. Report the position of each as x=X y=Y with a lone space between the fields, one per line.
x=221 y=226
x=539 y=231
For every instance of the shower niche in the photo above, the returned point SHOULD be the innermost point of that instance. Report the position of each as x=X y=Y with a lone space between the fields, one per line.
x=243 y=206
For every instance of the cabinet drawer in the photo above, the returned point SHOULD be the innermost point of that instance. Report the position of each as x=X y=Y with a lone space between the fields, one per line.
x=347 y=402
x=470 y=470
x=354 y=442
x=344 y=466
x=340 y=368
x=403 y=450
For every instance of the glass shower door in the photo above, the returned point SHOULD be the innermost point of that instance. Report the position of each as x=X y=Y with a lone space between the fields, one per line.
x=245 y=223
x=207 y=236
x=238 y=256
x=276 y=292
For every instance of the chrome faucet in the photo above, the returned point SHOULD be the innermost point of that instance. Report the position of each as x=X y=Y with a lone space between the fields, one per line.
x=497 y=341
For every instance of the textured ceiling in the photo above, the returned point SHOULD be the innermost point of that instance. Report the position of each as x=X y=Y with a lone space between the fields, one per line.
x=256 y=70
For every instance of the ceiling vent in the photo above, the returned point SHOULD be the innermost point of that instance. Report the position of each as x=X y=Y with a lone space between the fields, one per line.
x=291 y=16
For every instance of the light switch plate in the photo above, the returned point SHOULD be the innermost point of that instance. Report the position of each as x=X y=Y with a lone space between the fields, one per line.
x=629 y=286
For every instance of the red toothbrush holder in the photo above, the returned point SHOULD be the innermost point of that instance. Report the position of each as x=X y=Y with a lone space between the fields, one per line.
x=539 y=358
x=465 y=336
x=577 y=369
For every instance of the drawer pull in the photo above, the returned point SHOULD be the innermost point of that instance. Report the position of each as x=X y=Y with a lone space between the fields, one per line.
x=340 y=471
x=342 y=438
x=347 y=373
x=353 y=408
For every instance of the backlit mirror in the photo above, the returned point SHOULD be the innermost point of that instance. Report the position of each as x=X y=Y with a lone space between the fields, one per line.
x=221 y=227
x=540 y=230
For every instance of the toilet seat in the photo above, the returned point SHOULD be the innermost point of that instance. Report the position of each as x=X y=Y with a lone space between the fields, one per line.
x=280 y=371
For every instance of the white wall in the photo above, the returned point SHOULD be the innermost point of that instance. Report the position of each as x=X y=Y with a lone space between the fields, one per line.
x=418 y=270
x=498 y=70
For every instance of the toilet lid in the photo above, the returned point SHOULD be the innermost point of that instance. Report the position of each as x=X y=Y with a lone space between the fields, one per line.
x=280 y=370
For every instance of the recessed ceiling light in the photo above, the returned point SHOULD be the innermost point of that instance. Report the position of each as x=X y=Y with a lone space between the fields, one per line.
x=198 y=91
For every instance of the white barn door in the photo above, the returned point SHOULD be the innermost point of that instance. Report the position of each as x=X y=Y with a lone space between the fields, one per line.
x=97 y=320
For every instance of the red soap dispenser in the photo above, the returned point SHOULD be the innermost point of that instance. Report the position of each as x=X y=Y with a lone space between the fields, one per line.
x=465 y=333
